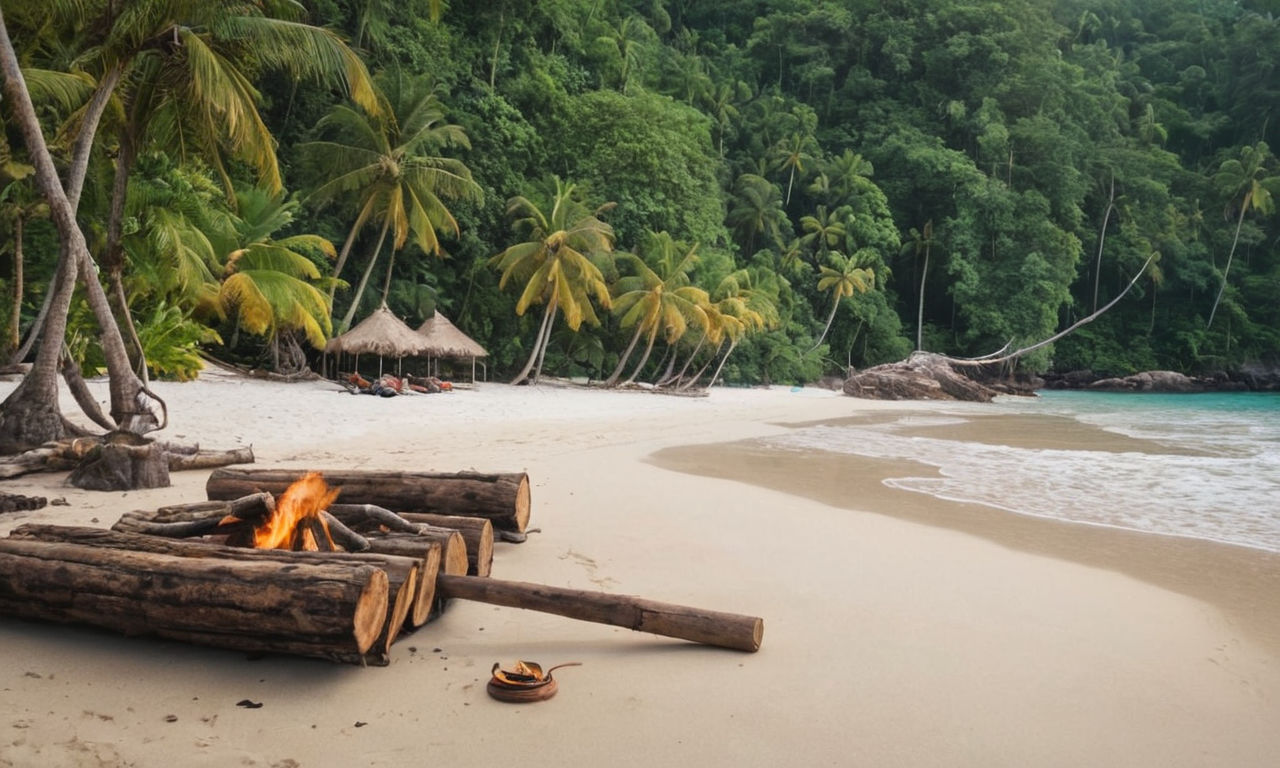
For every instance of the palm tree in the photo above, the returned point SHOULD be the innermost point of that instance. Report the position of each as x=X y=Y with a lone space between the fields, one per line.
x=748 y=303
x=756 y=209
x=842 y=279
x=553 y=262
x=1247 y=182
x=790 y=155
x=823 y=231
x=848 y=173
x=921 y=242
x=18 y=205
x=657 y=297
x=625 y=42
x=185 y=66
x=269 y=285
x=387 y=160
x=718 y=103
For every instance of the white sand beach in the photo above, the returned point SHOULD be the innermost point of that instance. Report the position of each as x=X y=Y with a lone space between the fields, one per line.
x=890 y=640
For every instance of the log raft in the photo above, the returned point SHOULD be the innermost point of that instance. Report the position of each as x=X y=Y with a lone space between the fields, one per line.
x=330 y=611
x=502 y=498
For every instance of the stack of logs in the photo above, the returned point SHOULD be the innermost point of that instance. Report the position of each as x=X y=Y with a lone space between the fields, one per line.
x=412 y=541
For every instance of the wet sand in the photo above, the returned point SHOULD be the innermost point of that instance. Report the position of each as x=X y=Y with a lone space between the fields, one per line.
x=1243 y=582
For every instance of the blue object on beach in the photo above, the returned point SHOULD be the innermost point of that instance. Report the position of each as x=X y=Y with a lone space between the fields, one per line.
x=796 y=389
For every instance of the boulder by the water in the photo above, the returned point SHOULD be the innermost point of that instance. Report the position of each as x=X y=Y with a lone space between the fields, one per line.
x=922 y=376
x=1151 y=381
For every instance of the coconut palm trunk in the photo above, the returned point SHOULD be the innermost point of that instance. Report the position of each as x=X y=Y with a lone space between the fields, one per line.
x=692 y=382
x=546 y=342
x=364 y=279
x=15 y=315
x=1222 y=289
x=648 y=350
x=679 y=377
x=543 y=330
x=716 y=376
x=924 y=272
x=626 y=355
x=830 y=317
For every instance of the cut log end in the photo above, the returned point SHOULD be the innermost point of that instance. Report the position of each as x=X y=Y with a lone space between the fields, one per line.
x=371 y=609
x=523 y=504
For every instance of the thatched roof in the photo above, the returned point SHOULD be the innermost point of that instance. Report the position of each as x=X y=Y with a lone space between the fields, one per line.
x=382 y=334
x=445 y=340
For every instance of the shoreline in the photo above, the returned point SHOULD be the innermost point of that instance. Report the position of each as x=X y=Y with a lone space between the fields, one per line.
x=886 y=642
x=1241 y=581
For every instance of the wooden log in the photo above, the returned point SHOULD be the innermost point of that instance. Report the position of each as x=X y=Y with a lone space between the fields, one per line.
x=477 y=532
x=432 y=550
x=727 y=630
x=209 y=459
x=404 y=574
x=503 y=498
x=327 y=610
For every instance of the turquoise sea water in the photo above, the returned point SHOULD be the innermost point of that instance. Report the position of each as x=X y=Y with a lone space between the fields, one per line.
x=1230 y=492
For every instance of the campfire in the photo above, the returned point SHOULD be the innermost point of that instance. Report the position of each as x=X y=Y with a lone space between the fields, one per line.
x=273 y=563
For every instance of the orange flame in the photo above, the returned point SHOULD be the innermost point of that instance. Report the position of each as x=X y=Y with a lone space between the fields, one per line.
x=300 y=504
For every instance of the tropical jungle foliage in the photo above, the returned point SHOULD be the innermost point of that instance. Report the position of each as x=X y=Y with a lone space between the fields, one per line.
x=742 y=190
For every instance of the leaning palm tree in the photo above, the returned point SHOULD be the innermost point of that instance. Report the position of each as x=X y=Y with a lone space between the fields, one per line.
x=756 y=210
x=746 y=301
x=553 y=262
x=842 y=279
x=273 y=287
x=1245 y=179
x=386 y=162
x=658 y=296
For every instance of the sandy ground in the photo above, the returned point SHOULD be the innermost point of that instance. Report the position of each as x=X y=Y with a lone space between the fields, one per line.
x=890 y=640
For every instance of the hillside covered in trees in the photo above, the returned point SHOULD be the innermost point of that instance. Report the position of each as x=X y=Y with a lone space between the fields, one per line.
x=767 y=190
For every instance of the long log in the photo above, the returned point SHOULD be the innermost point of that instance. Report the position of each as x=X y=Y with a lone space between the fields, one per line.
x=477 y=532
x=325 y=610
x=503 y=498
x=726 y=630
x=404 y=574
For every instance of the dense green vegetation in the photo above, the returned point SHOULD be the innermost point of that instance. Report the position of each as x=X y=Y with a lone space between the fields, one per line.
x=635 y=189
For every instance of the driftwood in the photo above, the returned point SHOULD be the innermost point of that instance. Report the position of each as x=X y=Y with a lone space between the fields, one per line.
x=15 y=502
x=331 y=611
x=404 y=574
x=726 y=630
x=502 y=498
x=69 y=454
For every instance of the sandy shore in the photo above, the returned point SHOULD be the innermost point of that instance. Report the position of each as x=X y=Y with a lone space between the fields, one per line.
x=890 y=638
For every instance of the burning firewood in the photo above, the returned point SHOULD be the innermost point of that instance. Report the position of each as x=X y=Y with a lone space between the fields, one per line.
x=502 y=498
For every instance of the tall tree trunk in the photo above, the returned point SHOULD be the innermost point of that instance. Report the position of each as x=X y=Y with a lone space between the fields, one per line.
x=622 y=361
x=830 y=316
x=670 y=359
x=537 y=346
x=924 y=272
x=1102 y=238
x=343 y=254
x=716 y=376
x=30 y=415
x=386 y=284
x=364 y=279
x=680 y=376
x=37 y=326
x=497 y=46
x=1239 y=223
x=88 y=131
x=688 y=384
x=648 y=350
x=15 y=315
x=546 y=341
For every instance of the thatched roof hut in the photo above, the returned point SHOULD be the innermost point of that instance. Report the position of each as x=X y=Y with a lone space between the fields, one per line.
x=382 y=334
x=445 y=340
